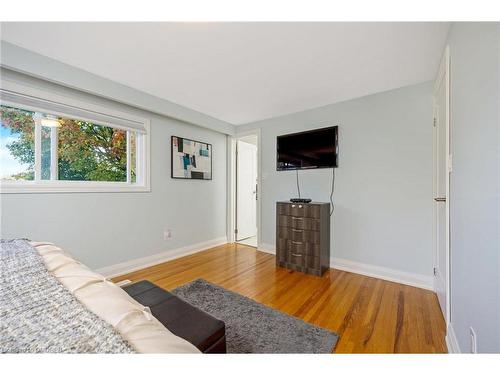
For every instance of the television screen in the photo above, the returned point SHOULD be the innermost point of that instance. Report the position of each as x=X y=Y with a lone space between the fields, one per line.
x=311 y=149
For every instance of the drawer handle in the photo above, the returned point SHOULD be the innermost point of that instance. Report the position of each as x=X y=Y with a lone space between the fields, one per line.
x=297 y=218
x=297 y=230
x=293 y=206
x=297 y=243
x=300 y=206
x=296 y=255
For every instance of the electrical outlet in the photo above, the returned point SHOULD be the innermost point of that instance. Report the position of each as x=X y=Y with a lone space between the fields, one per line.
x=473 y=340
x=167 y=234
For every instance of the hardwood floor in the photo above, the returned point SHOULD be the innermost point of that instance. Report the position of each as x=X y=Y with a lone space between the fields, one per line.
x=370 y=315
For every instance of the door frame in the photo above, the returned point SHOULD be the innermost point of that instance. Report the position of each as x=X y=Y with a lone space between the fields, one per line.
x=232 y=187
x=443 y=74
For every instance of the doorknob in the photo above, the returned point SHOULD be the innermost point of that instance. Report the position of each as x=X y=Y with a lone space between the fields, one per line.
x=440 y=199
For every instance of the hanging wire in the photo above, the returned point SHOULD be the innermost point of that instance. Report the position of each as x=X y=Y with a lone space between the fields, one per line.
x=298 y=187
x=331 y=193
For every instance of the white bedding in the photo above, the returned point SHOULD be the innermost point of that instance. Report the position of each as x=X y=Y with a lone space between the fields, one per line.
x=108 y=301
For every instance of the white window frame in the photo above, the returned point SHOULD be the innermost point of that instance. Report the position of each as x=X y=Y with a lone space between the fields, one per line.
x=53 y=185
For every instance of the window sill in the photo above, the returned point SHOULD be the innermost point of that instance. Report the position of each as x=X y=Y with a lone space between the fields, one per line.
x=24 y=187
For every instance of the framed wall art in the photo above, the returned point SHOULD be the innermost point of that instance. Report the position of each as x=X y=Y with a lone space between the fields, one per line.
x=191 y=160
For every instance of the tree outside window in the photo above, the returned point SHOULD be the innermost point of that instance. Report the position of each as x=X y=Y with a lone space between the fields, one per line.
x=85 y=151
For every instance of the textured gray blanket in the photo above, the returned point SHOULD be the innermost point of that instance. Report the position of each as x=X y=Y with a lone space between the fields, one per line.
x=39 y=315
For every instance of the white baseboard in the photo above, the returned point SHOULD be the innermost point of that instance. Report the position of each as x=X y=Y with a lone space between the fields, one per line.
x=266 y=248
x=417 y=280
x=451 y=341
x=389 y=274
x=139 y=263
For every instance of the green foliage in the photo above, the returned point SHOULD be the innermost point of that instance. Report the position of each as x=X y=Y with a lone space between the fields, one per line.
x=21 y=122
x=86 y=151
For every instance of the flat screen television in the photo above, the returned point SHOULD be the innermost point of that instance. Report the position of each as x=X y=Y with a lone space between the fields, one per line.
x=311 y=149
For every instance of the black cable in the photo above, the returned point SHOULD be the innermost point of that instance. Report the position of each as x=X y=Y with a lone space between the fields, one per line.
x=331 y=194
x=298 y=187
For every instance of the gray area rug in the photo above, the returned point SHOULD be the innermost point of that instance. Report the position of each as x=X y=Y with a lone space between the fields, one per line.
x=254 y=328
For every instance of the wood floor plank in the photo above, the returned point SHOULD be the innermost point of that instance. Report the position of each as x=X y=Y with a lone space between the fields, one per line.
x=370 y=315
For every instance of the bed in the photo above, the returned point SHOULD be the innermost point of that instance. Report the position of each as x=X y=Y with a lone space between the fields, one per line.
x=133 y=322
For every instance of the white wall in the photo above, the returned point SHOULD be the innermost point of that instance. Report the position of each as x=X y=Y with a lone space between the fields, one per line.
x=475 y=185
x=383 y=189
x=103 y=229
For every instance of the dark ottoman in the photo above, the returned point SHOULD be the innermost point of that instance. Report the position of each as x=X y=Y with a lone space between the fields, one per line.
x=202 y=330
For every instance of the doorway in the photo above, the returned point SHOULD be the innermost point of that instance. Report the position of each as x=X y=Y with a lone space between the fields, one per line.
x=442 y=169
x=247 y=190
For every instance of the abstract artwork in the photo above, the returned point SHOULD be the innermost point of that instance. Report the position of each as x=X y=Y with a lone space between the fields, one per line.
x=191 y=159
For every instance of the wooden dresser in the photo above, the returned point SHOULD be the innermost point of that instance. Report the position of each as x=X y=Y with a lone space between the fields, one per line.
x=303 y=236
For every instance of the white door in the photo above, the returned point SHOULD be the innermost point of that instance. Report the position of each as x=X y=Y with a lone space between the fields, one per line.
x=246 y=190
x=442 y=170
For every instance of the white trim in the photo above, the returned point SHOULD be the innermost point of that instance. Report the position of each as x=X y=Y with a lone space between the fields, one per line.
x=143 y=181
x=266 y=248
x=37 y=100
x=165 y=256
x=232 y=183
x=451 y=341
x=54 y=142
x=231 y=187
x=443 y=74
x=384 y=273
x=38 y=147
x=47 y=186
x=129 y=157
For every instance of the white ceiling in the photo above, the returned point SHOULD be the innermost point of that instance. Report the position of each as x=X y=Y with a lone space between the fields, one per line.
x=244 y=72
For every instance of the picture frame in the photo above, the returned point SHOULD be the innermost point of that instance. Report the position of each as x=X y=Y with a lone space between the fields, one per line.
x=190 y=159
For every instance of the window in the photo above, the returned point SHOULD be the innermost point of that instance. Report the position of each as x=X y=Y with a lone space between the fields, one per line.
x=17 y=145
x=45 y=149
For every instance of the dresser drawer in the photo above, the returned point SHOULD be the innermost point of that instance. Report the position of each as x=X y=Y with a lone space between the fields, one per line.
x=304 y=248
x=304 y=261
x=294 y=222
x=302 y=210
x=301 y=235
x=296 y=247
x=295 y=259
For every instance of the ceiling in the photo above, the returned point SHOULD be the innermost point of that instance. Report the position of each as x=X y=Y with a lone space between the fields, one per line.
x=244 y=72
